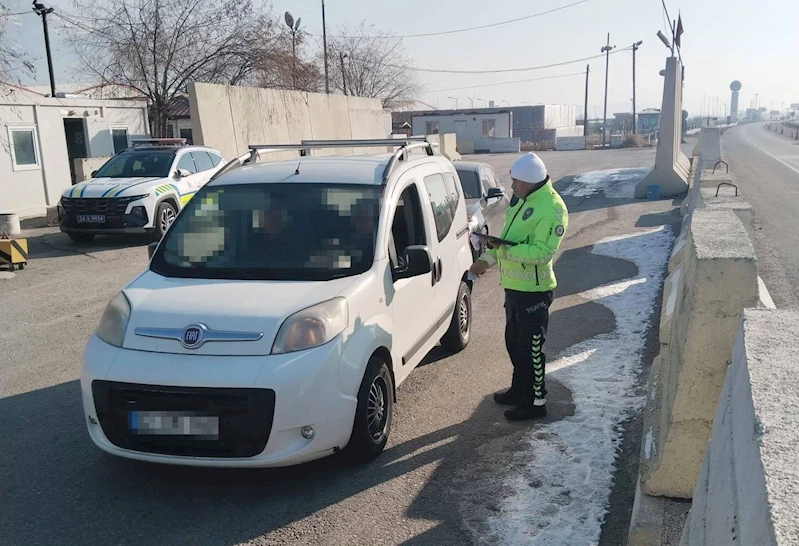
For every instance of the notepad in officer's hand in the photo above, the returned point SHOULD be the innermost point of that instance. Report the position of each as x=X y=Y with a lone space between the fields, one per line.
x=494 y=241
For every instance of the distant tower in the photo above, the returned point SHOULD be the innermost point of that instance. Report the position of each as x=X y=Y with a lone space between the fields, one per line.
x=734 y=87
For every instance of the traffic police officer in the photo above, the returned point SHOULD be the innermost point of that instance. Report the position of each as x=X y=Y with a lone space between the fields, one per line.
x=536 y=220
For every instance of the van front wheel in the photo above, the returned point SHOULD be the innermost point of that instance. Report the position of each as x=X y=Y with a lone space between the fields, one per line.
x=373 y=414
x=457 y=336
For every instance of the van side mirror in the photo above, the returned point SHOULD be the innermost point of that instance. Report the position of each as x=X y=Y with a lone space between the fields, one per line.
x=495 y=193
x=417 y=262
x=151 y=250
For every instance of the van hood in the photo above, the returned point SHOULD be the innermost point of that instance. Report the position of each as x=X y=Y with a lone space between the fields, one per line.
x=116 y=187
x=254 y=307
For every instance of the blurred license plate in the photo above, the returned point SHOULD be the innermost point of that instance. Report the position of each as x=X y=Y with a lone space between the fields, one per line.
x=91 y=218
x=172 y=423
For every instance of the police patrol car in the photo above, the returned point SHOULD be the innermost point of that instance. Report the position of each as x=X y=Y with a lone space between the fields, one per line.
x=282 y=308
x=139 y=190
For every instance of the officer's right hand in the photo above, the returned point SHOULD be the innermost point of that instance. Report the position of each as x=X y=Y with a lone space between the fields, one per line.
x=478 y=268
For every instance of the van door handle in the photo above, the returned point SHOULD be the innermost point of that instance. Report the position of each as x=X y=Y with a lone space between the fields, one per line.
x=440 y=268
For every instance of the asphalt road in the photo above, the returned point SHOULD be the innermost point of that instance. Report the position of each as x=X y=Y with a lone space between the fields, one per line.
x=435 y=484
x=765 y=166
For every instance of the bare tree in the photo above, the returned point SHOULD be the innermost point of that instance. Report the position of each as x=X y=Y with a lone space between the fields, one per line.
x=13 y=62
x=272 y=61
x=158 y=47
x=372 y=64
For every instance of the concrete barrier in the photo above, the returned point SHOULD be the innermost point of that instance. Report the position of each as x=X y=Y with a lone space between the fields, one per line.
x=708 y=147
x=229 y=118
x=703 y=300
x=570 y=143
x=747 y=488
x=672 y=168
x=496 y=145
x=9 y=224
x=447 y=145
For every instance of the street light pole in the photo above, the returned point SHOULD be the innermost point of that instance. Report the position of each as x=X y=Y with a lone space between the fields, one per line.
x=606 y=50
x=341 y=57
x=42 y=11
x=585 y=112
x=456 y=101
x=293 y=27
x=635 y=48
x=324 y=45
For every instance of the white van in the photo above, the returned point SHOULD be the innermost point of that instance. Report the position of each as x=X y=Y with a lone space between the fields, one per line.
x=282 y=309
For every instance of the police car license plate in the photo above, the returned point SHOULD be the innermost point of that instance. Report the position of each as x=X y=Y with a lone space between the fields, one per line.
x=91 y=218
x=173 y=423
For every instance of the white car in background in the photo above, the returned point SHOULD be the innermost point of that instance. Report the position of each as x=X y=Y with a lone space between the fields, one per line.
x=282 y=309
x=139 y=190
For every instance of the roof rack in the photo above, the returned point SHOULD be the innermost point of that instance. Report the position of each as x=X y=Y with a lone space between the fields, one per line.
x=157 y=142
x=404 y=145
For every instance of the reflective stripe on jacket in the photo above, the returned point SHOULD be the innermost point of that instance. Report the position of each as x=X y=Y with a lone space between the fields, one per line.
x=538 y=223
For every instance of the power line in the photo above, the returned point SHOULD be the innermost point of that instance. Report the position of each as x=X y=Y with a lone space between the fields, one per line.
x=15 y=14
x=503 y=70
x=506 y=83
x=455 y=31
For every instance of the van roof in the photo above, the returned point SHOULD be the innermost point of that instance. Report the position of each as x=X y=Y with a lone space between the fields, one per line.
x=325 y=169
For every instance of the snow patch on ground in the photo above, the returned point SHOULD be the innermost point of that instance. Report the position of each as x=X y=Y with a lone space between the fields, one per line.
x=613 y=183
x=561 y=496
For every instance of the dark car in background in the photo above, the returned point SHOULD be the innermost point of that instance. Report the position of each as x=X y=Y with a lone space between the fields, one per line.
x=486 y=200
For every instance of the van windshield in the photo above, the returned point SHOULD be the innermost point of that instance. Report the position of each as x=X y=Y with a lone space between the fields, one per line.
x=273 y=232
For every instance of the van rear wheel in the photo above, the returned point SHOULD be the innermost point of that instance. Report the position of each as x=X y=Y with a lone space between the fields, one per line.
x=457 y=336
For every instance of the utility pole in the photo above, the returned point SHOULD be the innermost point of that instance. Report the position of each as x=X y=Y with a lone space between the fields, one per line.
x=606 y=50
x=324 y=45
x=42 y=11
x=585 y=112
x=636 y=45
x=341 y=57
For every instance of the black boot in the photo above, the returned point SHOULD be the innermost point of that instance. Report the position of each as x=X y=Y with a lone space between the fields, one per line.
x=511 y=397
x=528 y=407
x=523 y=412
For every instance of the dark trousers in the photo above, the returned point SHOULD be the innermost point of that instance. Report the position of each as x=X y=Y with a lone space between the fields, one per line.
x=526 y=321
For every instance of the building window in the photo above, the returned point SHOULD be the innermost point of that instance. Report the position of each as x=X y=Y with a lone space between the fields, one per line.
x=24 y=149
x=120 y=137
x=186 y=133
x=489 y=128
x=431 y=127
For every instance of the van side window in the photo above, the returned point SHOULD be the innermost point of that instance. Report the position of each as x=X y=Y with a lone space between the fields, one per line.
x=408 y=226
x=453 y=188
x=442 y=202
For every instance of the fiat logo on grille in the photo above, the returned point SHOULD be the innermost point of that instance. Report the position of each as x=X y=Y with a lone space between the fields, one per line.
x=192 y=337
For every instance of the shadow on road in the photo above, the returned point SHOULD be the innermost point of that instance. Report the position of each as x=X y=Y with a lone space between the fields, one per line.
x=55 y=245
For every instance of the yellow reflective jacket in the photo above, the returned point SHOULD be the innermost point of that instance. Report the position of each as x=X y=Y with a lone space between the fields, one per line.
x=538 y=224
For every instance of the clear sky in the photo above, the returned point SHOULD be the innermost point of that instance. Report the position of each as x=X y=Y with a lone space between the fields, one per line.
x=754 y=42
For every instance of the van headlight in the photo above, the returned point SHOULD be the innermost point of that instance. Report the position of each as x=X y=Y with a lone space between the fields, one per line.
x=312 y=327
x=115 y=320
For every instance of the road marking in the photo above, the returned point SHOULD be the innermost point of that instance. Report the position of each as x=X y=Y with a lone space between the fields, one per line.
x=749 y=140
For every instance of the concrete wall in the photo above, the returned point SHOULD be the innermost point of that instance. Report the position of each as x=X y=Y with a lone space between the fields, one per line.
x=466 y=126
x=703 y=299
x=672 y=167
x=570 y=131
x=570 y=143
x=29 y=192
x=230 y=118
x=748 y=485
